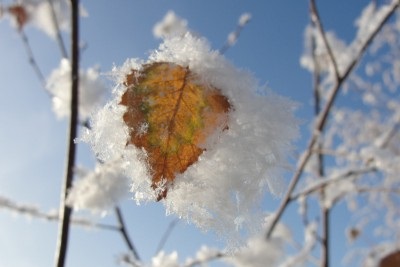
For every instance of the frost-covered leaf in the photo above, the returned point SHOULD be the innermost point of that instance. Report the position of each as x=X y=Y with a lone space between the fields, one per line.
x=170 y=115
x=222 y=189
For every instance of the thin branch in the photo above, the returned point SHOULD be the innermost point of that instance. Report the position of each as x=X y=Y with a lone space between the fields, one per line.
x=166 y=235
x=323 y=183
x=124 y=233
x=325 y=214
x=60 y=41
x=32 y=211
x=234 y=36
x=195 y=262
x=321 y=120
x=32 y=60
x=65 y=211
x=317 y=22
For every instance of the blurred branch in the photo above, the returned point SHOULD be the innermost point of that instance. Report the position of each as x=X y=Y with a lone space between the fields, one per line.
x=123 y=230
x=325 y=213
x=234 y=36
x=166 y=235
x=32 y=60
x=34 y=212
x=60 y=41
x=323 y=183
x=212 y=257
x=322 y=118
x=314 y=14
x=65 y=211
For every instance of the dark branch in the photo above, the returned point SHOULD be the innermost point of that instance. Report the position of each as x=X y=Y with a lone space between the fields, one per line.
x=65 y=211
x=124 y=233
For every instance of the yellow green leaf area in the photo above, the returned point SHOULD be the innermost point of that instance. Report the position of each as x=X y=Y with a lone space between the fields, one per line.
x=170 y=115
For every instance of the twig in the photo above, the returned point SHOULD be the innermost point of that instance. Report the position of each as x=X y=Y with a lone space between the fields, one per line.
x=32 y=211
x=325 y=214
x=166 y=235
x=65 y=211
x=317 y=22
x=233 y=36
x=124 y=233
x=321 y=120
x=31 y=59
x=212 y=257
x=60 y=41
x=323 y=183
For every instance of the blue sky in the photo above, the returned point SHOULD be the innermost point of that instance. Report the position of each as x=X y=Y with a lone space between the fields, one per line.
x=33 y=141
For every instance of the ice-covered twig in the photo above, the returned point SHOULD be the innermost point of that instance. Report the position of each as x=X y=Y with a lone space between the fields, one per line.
x=211 y=257
x=321 y=120
x=314 y=14
x=323 y=183
x=233 y=36
x=34 y=212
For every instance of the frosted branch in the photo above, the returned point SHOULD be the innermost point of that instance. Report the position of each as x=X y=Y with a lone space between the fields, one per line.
x=34 y=212
x=234 y=36
x=322 y=118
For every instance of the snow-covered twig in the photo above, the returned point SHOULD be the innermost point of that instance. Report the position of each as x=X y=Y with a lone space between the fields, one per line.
x=233 y=36
x=321 y=120
x=34 y=212
x=323 y=183
x=211 y=257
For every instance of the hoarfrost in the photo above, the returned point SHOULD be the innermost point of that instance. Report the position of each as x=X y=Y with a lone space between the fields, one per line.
x=91 y=90
x=100 y=189
x=228 y=181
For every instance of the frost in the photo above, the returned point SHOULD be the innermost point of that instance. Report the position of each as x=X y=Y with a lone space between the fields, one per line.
x=91 y=90
x=170 y=26
x=100 y=189
x=259 y=251
x=164 y=260
x=244 y=19
x=223 y=189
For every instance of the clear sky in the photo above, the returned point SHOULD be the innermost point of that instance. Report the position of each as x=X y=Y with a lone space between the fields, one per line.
x=33 y=141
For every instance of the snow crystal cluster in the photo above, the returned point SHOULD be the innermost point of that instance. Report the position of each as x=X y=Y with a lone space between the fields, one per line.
x=223 y=189
x=91 y=90
x=99 y=190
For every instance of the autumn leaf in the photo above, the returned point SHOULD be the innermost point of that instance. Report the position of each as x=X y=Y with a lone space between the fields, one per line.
x=20 y=14
x=170 y=114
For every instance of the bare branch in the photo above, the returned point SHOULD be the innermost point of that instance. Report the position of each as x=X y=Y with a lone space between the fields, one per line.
x=124 y=232
x=166 y=235
x=60 y=41
x=65 y=211
x=31 y=59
